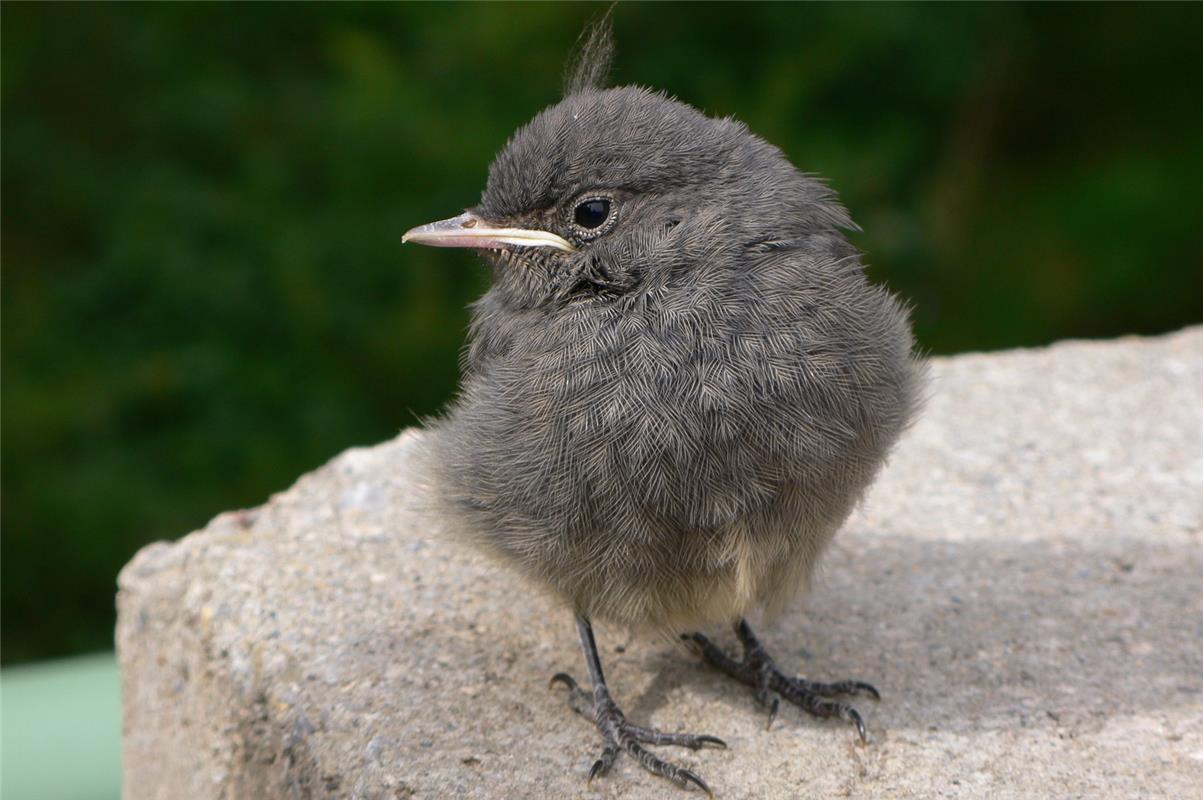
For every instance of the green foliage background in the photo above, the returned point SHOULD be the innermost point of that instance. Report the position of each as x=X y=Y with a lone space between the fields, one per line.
x=204 y=292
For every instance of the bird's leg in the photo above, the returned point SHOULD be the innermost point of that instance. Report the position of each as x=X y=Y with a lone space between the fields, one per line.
x=758 y=670
x=619 y=735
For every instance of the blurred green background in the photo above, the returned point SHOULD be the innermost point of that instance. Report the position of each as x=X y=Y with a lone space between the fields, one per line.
x=204 y=294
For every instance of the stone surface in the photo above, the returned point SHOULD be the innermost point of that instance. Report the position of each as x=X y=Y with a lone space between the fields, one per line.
x=1024 y=584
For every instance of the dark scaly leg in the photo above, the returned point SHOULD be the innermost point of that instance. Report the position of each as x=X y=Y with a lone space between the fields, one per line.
x=758 y=670
x=619 y=735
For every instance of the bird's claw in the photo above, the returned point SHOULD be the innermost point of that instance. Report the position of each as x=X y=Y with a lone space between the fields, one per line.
x=564 y=678
x=623 y=736
x=774 y=703
x=603 y=764
x=850 y=713
x=690 y=776
x=714 y=740
x=866 y=688
x=759 y=671
x=579 y=700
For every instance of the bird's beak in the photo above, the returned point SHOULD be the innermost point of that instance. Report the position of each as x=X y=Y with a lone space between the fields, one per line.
x=469 y=230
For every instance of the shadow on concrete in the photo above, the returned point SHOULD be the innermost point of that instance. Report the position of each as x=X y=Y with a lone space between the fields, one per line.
x=980 y=635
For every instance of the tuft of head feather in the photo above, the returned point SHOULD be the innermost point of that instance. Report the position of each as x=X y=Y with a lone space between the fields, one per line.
x=589 y=67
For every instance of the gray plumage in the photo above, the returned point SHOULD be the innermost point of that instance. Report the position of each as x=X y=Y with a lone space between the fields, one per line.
x=667 y=425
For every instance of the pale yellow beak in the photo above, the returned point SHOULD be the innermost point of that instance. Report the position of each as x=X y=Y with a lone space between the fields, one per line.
x=469 y=230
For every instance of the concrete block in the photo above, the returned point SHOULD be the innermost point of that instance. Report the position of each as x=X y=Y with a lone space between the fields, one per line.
x=1024 y=584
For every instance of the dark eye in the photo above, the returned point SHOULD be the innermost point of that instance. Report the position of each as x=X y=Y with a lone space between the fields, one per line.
x=592 y=213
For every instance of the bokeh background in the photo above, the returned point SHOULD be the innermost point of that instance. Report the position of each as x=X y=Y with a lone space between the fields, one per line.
x=204 y=293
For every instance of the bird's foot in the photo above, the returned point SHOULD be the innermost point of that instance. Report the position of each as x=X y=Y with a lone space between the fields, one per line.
x=619 y=736
x=758 y=670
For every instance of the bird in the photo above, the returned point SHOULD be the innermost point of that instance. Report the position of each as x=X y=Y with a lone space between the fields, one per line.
x=676 y=388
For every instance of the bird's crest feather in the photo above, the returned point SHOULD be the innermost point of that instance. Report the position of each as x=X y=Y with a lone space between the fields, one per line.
x=589 y=67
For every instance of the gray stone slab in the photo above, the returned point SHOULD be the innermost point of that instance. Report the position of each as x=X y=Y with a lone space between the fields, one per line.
x=1024 y=584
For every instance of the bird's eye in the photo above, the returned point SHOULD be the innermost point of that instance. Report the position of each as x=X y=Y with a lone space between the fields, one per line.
x=592 y=214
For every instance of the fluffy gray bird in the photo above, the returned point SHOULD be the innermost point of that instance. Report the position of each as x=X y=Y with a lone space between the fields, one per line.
x=676 y=388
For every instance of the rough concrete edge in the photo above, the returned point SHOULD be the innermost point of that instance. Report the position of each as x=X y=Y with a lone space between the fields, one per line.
x=187 y=681
x=1175 y=337
x=147 y=676
x=221 y=741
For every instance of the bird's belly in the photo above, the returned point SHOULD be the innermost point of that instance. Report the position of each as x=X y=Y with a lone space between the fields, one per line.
x=688 y=526
x=689 y=579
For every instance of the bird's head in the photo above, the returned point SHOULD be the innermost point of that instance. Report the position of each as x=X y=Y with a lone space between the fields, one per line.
x=614 y=191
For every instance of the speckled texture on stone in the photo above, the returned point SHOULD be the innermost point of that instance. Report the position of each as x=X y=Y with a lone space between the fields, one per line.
x=1024 y=584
